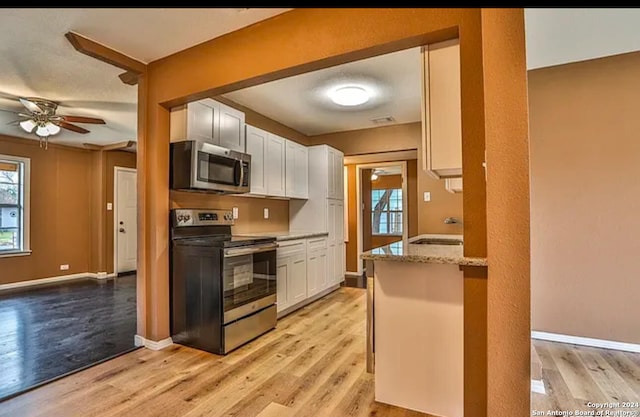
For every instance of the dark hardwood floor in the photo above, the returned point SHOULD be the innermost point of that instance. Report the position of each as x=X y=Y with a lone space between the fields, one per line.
x=49 y=331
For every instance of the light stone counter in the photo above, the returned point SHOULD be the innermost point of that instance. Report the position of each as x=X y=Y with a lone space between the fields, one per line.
x=283 y=236
x=405 y=251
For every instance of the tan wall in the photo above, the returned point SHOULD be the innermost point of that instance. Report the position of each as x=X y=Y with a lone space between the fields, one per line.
x=585 y=198
x=250 y=210
x=60 y=211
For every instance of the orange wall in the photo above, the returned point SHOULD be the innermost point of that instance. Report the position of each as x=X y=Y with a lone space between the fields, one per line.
x=508 y=248
x=386 y=182
x=376 y=241
x=60 y=211
x=585 y=198
x=113 y=159
x=250 y=210
x=69 y=220
x=246 y=57
x=431 y=215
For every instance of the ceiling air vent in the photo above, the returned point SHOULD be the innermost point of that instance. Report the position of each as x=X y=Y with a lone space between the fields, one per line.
x=383 y=120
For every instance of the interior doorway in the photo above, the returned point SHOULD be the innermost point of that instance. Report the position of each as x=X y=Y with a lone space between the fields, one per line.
x=382 y=205
x=125 y=220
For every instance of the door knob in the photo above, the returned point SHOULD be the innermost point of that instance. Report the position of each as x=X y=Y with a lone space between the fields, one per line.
x=122 y=230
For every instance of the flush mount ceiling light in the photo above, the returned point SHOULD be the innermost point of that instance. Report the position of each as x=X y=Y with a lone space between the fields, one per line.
x=350 y=95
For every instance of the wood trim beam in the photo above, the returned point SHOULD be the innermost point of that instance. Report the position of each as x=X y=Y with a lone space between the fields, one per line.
x=113 y=147
x=100 y=52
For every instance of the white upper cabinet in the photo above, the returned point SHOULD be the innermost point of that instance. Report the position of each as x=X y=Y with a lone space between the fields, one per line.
x=335 y=174
x=279 y=167
x=195 y=121
x=441 y=110
x=297 y=185
x=256 y=140
x=210 y=121
x=231 y=131
x=275 y=166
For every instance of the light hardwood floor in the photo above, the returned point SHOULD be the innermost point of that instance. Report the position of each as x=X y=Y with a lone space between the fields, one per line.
x=574 y=375
x=313 y=364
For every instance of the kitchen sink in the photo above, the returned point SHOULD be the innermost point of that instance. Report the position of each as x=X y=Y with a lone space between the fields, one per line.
x=437 y=241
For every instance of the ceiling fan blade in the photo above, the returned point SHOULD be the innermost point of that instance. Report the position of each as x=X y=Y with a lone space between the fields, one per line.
x=71 y=127
x=31 y=106
x=79 y=119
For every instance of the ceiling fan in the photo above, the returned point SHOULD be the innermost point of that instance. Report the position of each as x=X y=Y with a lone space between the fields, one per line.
x=42 y=120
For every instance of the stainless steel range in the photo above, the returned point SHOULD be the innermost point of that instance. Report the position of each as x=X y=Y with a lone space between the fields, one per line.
x=223 y=288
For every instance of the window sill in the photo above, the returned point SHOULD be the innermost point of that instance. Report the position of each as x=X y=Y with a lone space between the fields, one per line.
x=16 y=253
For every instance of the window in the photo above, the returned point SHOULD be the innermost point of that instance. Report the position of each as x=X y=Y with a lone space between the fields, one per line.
x=386 y=214
x=14 y=198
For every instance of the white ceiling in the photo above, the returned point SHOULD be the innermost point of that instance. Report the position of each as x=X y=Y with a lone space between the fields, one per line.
x=560 y=36
x=302 y=102
x=38 y=61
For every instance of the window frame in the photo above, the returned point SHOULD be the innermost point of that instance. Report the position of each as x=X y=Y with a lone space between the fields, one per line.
x=24 y=205
x=388 y=212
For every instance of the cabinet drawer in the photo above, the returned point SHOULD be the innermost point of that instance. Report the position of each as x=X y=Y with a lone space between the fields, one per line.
x=317 y=243
x=291 y=247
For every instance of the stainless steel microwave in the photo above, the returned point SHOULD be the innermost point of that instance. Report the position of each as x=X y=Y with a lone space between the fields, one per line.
x=203 y=166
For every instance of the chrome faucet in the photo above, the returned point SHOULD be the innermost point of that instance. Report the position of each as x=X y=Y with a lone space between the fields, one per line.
x=452 y=220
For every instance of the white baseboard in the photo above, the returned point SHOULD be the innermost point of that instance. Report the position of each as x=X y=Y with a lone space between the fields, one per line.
x=537 y=386
x=152 y=344
x=586 y=341
x=352 y=274
x=59 y=278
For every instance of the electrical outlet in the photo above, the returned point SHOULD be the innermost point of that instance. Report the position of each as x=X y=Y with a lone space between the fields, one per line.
x=266 y=213
x=427 y=196
x=109 y=206
x=235 y=213
x=64 y=267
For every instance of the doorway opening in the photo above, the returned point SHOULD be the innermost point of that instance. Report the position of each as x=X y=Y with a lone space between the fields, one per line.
x=382 y=205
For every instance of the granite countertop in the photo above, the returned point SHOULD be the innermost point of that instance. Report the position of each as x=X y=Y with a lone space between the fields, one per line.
x=405 y=251
x=284 y=235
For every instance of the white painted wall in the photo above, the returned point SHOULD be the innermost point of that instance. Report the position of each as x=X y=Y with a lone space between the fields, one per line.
x=560 y=36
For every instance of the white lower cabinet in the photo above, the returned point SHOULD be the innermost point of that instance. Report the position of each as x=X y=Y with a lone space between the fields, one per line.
x=298 y=283
x=304 y=269
x=316 y=266
x=291 y=273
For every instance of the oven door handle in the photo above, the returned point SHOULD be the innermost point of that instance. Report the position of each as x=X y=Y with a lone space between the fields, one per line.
x=250 y=250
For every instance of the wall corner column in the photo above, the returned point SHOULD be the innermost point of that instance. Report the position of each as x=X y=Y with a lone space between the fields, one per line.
x=153 y=215
x=508 y=211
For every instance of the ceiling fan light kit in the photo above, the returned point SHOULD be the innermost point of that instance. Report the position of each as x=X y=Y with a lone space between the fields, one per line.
x=43 y=121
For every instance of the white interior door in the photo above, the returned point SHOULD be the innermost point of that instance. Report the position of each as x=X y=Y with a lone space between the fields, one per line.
x=126 y=228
